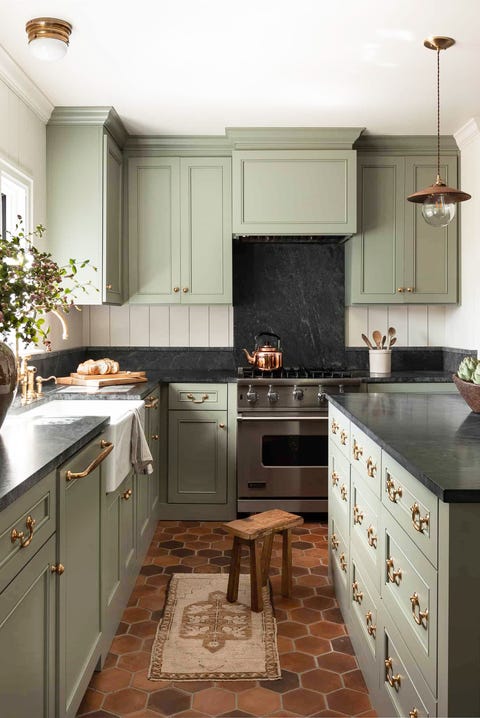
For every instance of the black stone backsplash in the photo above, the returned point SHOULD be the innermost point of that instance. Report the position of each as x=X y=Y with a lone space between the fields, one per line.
x=295 y=290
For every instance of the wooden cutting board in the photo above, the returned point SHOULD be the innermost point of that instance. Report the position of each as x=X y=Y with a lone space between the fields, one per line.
x=99 y=380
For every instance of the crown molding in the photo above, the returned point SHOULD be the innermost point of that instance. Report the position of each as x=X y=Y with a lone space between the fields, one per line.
x=284 y=138
x=406 y=144
x=19 y=82
x=106 y=116
x=468 y=132
x=191 y=145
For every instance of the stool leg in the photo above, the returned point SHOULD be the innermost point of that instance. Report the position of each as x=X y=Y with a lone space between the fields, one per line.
x=255 y=578
x=266 y=556
x=286 y=563
x=234 y=576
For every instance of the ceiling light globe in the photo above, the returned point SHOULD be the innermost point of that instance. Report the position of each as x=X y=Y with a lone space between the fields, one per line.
x=48 y=48
x=437 y=212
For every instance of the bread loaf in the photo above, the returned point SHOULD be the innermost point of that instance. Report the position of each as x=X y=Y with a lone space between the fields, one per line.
x=99 y=366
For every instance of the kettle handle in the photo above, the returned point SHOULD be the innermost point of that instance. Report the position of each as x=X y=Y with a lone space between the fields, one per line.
x=267 y=334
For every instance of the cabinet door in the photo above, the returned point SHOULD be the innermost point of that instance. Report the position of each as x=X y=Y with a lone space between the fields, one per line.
x=197 y=457
x=27 y=637
x=152 y=432
x=206 y=230
x=430 y=253
x=143 y=516
x=154 y=229
x=375 y=255
x=112 y=222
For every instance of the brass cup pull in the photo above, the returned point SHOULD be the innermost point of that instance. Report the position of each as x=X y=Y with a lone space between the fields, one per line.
x=335 y=478
x=419 y=521
x=371 y=627
x=393 y=576
x=108 y=286
x=357 y=451
x=371 y=468
x=334 y=541
x=371 y=538
x=335 y=426
x=343 y=492
x=343 y=562
x=413 y=713
x=357 y=595
x=176 y=289
x=57 y=568
x=392 y=492
x=127 y=494
x=420 y=618
x=197 y=401
x=20 y=535
x=357 y=515
x=152 y=403
x=155 y=437
x=185 y=290
x=393 y=680
x=343 y=437
x=107 y=447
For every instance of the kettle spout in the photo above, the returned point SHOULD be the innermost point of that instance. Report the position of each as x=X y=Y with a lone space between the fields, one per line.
x=250 y=357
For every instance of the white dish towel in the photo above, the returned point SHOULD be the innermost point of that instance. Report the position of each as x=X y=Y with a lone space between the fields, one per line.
x=140 y=454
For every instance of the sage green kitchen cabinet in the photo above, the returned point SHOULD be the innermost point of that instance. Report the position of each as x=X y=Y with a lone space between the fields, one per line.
x=180 y=235
x=152 y=433
x=396 y=257
x=303 y=192
x=84 y=197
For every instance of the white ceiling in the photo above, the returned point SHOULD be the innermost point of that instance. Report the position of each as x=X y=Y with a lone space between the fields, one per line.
x=198 y=66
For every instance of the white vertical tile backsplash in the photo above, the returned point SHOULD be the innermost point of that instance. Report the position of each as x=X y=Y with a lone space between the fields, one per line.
x=199 y=326
x=120 y=326
x=159 y=325
x=356 y=324
x=377 y=319
x=179 y=325
x=100 y=326
x=398 y=319
x=436 y=326
x=219 y=326
x=139 y=325
x=416 y=325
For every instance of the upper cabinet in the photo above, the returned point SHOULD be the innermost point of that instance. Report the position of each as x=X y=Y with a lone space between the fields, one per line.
x=396 y=257
x=84 y=196
x=180 y=230
x=294 y=192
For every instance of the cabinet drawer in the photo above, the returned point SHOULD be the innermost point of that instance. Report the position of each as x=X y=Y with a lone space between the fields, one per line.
x=339 y=562
x=34 y=514
x=409 y=591
x=364 y=601
x=197 y=396
x=366 y=457
x=339 y=430
x=339 y=488
x=406 y=689
x=413 y=506
x=365 y=531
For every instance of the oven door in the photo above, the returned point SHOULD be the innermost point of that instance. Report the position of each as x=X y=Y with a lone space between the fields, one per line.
x=282 y=457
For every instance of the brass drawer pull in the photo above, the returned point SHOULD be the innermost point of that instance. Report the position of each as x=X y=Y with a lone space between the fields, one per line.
x=335 y=426
x=356 y=594
x=371 y=627
x=343 y=563
x=57 y=568
x=108 y=286
x=357 y=450
x=393 y=576
x=197 y=401
x=127 y=494
x=371 y=538
x=419 y=521
x=335 y=478
x=413 y=713
x=20 y=535
x=152 y=403
x=107 y=447
x=155 y=437
x=371 y=468
x=420 y=618
x=357 y=515
x=394 y=681
x=392 y=491
x=334 y=541
x=343 y=492
x=343 y=437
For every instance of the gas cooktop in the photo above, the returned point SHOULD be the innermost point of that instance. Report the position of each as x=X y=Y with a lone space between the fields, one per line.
x=297 y=372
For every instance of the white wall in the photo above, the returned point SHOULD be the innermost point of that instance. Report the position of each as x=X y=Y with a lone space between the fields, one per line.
x=416 y=325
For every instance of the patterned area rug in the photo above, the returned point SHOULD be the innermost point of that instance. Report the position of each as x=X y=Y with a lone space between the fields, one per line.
x=204 y=637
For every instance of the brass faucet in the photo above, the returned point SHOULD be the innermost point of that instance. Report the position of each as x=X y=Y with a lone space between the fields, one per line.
x=27 y=380
x=40 y=380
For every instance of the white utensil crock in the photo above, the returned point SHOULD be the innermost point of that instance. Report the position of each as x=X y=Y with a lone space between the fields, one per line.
x=380 y=361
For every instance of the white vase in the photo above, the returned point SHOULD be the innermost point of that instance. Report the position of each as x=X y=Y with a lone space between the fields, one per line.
x=380 y=361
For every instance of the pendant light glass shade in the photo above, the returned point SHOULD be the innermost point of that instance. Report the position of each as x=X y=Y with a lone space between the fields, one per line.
x=439 y=201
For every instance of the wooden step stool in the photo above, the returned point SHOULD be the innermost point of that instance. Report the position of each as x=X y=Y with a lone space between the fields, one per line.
x=252 y=531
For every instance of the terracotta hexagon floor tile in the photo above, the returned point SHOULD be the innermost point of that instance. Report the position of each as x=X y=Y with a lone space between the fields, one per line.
x=110 y=661
x=303 y=702
x=111 y=679
x=304 y=615
x=312 y=644
x=319 y=603
x=135 y=614
x=125 y=644
x=134 y=661
x=348 y=701
x=355 y=681
x=213 y=701
x=143 y=629
x=339 y=662
x=90 y=702
x=291 y=629
x=312 y=580
x=297 y=662
x=286 y=683
x=193 y=560
x=143 y=714
x=285 y=644
x=259 y=701
x=126 y=701
x=327 y=629
x=343 y=644
x=155 y=602
x=141 y=681
x=235 y=686
x=333 y=614
x=321 y=680
x=207 y=568
x=169 y=701
x=193 y=686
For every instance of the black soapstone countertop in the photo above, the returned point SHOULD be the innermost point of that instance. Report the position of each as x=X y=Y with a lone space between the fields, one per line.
x=433 y=436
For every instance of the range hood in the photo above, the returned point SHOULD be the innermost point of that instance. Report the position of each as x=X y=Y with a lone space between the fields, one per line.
x=291 y=239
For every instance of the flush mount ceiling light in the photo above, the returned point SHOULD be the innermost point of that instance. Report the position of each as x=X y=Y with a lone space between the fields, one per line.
x=438 y=201
x=48 y=37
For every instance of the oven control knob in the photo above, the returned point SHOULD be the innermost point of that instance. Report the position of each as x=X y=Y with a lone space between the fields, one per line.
x=321 y=396
x=297 y=393
x=252 y=395
x=272 y=395
x=341 y=389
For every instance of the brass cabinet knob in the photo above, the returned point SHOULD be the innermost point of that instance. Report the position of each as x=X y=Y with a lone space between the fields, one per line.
x=400 y=289
x=185 y=290
x=176 y=289
x=127 y=494
x=155 y=437
x=222 y=426
x=57 y=568
x=108 y=286
x=410 y=289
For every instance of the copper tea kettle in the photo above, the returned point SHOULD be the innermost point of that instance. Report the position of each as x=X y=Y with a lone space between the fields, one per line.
x=266 y=357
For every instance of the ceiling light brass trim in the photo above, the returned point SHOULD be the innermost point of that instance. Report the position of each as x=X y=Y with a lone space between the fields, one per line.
x=439 y=42
x=50 y=27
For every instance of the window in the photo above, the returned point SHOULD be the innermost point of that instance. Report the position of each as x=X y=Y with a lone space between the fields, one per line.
x=15 y=188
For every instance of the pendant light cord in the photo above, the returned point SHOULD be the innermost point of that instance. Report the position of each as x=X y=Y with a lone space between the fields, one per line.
x=438 y=114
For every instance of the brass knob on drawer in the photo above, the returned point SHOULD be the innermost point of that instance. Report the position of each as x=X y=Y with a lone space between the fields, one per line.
x=400 y=289
x=371 y=538
x=419 y=521
x=420 y=618
x=152 y=403
x=343 y=492
x=335 y=478
x=20 y=535
x=410 y=289
x=108 y=286
x=394 y=681
x=393 y=576
x=155 y=437
x=371 y=627
x=222 y=426
x=127 y=494
x=57 y=568
x=185 y=290
x=334 y=541
x=357 y=515
x=176 y=289
x=343 y=437
x=357 y=450
x=413 y=713
x=343 y=562
x=357 y=595
x=371 y=468
x=335 y=426
x=392 y=492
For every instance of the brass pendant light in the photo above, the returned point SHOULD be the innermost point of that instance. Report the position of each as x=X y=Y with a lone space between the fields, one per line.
x=439 y=201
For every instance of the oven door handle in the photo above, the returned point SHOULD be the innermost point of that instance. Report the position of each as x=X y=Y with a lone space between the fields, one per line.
x=282 y=418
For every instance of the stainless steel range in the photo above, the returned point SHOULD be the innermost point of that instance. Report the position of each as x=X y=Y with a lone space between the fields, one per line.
x=282 y=443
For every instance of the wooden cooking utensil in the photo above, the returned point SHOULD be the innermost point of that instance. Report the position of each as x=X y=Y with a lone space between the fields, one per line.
x=377 y=338
x=392 y=342
x=367 y=341
x=391 y=333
